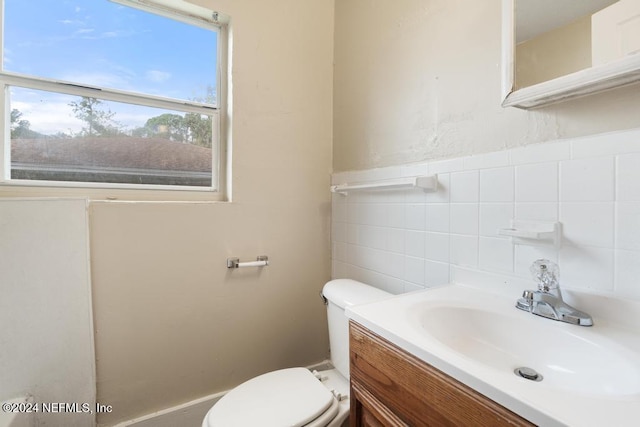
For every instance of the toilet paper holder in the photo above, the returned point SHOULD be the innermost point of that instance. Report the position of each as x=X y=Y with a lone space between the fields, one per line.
x=261 y=261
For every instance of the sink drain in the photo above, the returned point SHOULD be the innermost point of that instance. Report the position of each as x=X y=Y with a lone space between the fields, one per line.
x=528 y=373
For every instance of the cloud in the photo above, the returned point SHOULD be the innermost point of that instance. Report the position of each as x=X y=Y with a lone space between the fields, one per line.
x=55 y=115
x=52 y=114
x=157 y=76
x=71 y=22
x=49 y=117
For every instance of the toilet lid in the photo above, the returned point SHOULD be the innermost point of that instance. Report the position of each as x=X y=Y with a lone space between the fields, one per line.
x=288 y=397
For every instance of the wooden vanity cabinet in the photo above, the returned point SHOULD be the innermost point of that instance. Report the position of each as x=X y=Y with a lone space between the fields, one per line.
x=390 y=387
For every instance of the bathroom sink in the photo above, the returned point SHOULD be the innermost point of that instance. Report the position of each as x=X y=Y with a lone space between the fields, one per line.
x=506 y=341
x=586 y=376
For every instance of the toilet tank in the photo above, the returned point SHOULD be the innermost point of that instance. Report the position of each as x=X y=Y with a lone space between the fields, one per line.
x=342 y=293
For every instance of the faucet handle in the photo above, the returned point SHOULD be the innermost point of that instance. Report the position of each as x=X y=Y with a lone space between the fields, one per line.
x=547 y=274
x=528 y=295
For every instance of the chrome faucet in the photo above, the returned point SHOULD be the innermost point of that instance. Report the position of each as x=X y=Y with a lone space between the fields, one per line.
x=547 y=300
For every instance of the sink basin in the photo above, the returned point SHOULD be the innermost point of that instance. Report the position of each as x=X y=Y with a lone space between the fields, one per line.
x=583 y=364
x=471 y=331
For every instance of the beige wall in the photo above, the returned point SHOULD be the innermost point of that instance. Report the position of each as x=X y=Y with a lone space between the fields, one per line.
x=172 y=323
x=556 y=53
x=420 y=79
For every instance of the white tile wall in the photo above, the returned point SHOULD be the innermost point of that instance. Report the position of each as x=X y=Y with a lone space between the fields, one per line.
x=464 y=186
x=464 y=218
x=496 y=185
x=407 y=240
x=628 y=177
x=628 y=226
x=537 y=182
x=587 y=180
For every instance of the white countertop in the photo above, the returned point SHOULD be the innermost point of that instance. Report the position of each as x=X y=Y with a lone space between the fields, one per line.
x=401 y=320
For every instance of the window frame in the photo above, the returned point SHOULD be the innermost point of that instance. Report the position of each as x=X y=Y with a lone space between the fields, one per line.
x=113 y=191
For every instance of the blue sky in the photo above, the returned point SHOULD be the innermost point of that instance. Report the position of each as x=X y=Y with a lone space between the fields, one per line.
x=100 y=43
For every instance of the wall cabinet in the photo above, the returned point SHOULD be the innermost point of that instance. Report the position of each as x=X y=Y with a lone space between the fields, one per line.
x=390 y=387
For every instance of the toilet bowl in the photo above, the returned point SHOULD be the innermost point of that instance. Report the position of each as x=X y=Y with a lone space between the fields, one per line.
x=297 y=397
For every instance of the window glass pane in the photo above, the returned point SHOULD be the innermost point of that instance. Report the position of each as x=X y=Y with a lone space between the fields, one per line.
x=59 y=137
x=104 y=44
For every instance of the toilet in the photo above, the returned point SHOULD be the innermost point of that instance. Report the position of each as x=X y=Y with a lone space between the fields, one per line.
x=297 y=397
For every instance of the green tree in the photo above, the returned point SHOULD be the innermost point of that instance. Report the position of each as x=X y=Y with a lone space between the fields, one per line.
x=192 y=128
x=18 y=125
x=169 y=126
x=200 y=127
x=21 y=128
x=99 y=122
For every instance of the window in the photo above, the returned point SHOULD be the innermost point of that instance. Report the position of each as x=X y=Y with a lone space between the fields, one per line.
x=111 y=93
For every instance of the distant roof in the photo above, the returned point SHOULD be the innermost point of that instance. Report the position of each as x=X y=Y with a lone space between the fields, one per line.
x=120 y=152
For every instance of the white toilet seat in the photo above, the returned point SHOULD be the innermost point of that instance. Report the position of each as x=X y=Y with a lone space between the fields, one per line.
x=289 y=397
